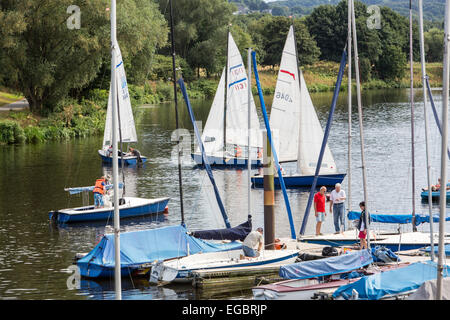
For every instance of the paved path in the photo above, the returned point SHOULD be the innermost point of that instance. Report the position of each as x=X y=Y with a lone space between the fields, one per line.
x=18 y=105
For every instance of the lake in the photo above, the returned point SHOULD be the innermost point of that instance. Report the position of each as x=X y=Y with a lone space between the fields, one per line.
x=36 y=255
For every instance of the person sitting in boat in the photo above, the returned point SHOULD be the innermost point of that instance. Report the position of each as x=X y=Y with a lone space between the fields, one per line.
x=99 y=191
x=260 y=152
x=109 y=151
x=237 y=151
x=134 y=152
x=253 y=240
x=436 y=187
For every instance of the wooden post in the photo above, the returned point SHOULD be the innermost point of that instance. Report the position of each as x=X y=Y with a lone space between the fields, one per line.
x=269 y=196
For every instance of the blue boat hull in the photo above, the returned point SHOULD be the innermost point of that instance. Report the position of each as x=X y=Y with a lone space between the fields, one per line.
x=102 y=214
x=302 y=181
x=435 y=195
x=128 y=161
x=225 y=162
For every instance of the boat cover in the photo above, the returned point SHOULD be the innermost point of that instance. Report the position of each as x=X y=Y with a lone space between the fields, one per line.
x=327 y=266
x=397 y=281
x=436 y=248
x=395 y=218
x=237 y=233
x=427 y=290
x=146 y=246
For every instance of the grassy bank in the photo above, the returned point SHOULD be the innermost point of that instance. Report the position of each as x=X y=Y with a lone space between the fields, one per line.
x=83 y=118
x=7 y=97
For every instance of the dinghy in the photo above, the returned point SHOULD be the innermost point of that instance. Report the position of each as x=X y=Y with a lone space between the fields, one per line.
x=296 y=127
x=126 y=128
x=225 y=139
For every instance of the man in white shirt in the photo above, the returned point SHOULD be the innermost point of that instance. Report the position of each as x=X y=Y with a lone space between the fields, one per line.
x=337 y=199
x=253 y=240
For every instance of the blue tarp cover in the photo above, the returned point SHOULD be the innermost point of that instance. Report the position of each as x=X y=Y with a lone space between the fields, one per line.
x=327 y=266
x=395 y=218
x=391 y=282
x=146 y=246
x=237 y=233
x=436 y=248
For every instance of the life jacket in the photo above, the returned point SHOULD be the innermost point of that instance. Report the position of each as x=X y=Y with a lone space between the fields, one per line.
x=237 y=151
x=98 y=186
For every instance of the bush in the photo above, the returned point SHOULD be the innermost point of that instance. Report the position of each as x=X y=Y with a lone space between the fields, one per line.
x=11 y=132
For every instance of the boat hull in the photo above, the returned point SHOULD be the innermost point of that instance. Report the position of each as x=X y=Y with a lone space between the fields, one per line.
x=229 y=261
x=297 y=181
x=220 y=161
x=128 y=160
x=435 y=195
x=133 y=207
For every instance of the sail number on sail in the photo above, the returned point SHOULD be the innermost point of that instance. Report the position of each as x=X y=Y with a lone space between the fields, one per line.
x=283 y=96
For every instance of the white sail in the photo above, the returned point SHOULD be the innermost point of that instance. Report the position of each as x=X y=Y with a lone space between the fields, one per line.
x=310 y=138
x=237 y=102
x=127 y=127
x=212 y=135
x=285 y=113
x=237 y=111
x=293 y=119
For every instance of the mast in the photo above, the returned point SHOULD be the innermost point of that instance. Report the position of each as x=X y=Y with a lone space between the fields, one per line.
x=411 y=99
x=225 y=103
x=174 y=76
x=425 y=116
x=443 y=191
x=117 y=273
x=361 y=132
x=249 y=158
x=349 y=93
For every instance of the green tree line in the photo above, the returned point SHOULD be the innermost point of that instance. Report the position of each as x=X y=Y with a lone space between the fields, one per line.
x=48 y=62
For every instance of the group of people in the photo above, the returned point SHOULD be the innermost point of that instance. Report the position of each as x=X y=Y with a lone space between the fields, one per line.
x=131 y=152
x=337 y=208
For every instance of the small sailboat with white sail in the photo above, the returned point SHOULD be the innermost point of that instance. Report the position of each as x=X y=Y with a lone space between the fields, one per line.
x=126 y=128
x=128 y=206
x=296 y=127
x=225 y=133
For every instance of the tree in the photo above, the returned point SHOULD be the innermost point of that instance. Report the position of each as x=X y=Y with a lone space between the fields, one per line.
x=434 y=50
x=273 y=32
x=45 y=59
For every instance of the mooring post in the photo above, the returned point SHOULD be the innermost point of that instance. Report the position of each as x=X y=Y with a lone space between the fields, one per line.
x=269 y=196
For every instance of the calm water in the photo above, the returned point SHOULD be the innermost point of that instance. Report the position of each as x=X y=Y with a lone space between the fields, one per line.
x=35 y=255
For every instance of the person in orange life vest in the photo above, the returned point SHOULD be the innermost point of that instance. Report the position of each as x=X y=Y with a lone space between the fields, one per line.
x=319 y=208
x=237 y=151
x=99 y=191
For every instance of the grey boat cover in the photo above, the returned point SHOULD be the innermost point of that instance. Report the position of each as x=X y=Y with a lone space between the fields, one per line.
x=427 y=290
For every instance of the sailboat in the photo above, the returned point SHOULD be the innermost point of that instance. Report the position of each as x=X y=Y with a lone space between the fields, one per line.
x=225 y=132
x=126 y=130
x=128 y=206
x=295 y=120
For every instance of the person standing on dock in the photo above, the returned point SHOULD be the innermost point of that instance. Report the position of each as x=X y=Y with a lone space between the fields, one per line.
x=99 y=191
x=337 y=199
x=319 y=208
x=253 y=240
x=362 y=227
